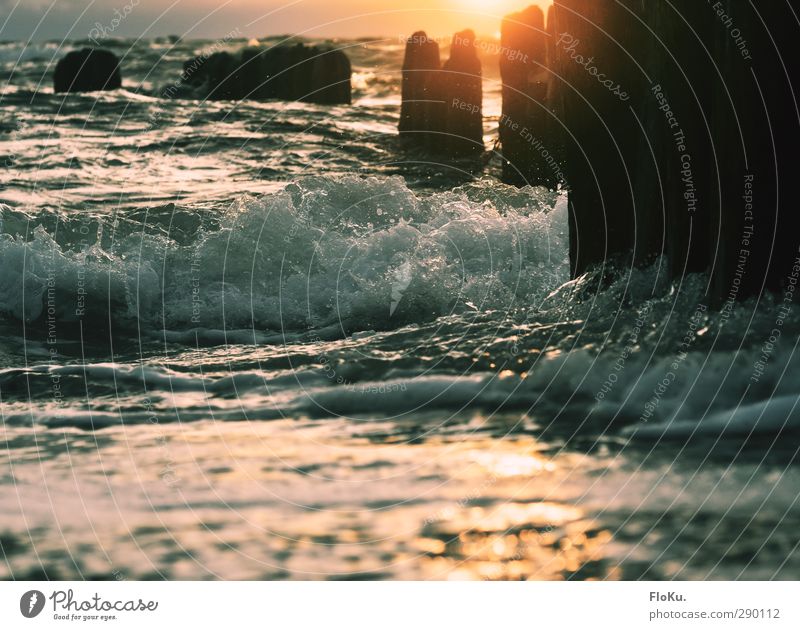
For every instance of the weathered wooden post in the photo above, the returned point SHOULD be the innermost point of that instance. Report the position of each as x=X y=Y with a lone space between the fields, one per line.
x=598 y=86
x=756 y=131
x=422 y=109
x=312 y=74
x=87 y=70
x=675 y=110
x=525 y=125
x=462 y=92
x=683 y=123
x=331 y=78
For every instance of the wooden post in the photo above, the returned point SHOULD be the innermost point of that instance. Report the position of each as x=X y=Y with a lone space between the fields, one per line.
x=598 y=86
x=87 y=70
x=295 y=73
x=682 y=124
x=462 y=93
x=524 y=125
x=756 y=134
x=422 y=107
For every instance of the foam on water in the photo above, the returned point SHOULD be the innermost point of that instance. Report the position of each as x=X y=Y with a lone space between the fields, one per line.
x=353 y=253
x=653 y=399
x=363 y=299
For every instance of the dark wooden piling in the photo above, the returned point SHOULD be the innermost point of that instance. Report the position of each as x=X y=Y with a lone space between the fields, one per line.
x=331 y=78
x=442 y=108
x=314 y=74
x=422 y=109
x=756 y=131
x=221 y=77
x=682 y=126
x=462 y=92
x=594 y=54
x=525 y=125
x=87 y=70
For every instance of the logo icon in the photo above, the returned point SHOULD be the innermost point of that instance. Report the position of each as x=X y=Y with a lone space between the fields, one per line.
x=402 y=279
x=31 y=604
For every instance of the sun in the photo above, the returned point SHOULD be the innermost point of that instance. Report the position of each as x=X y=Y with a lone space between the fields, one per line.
x=496 y=5
x=499 y=7
x=484 y=16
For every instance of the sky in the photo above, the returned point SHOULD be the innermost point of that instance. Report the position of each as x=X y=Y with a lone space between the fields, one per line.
x=73 y=19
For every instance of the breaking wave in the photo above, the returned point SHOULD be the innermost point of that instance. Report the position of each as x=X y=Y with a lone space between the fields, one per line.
x=350 y=253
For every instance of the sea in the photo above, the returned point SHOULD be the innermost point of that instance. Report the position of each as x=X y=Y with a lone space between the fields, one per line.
x=269 y=340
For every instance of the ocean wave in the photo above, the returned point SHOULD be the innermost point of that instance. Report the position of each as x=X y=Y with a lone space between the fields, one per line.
x=653 y=399
x=353 y=253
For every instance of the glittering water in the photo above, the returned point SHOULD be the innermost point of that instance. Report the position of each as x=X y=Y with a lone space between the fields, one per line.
x=266 y=340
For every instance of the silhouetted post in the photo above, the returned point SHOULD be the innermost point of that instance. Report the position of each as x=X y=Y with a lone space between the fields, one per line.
x=681 y=84
x=422 y=109
x=756 y=134
x=635 y=98
x=596 y=46
x=331 y=78
x=463 y=97
x=311 y=74
x=682 y=126
x=525 y=124
x=224 y=79
x=87 y=70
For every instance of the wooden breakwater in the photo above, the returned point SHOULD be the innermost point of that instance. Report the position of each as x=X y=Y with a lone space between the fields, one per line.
x=677 y=125
x=313 y=74
x=526 y=124
x=442 y=105
x=290 y=72
x=674 y=124
x=87 y=70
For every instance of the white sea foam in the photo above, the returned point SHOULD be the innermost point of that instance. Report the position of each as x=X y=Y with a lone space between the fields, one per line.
x=364 y=299
x=711 y=395
x=321 y=253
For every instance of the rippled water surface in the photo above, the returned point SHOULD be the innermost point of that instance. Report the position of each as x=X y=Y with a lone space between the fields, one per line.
x=266 y=340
